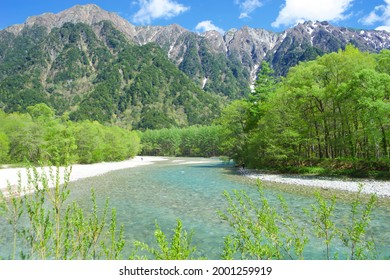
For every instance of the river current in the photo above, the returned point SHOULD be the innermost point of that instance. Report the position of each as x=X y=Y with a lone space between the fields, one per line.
x=192 y=190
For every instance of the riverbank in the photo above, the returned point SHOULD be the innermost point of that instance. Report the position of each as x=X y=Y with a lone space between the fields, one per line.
x=380 y=188
x=79 y=171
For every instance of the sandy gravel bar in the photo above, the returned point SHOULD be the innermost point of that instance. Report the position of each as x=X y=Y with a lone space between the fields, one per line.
x=381 y=188
x=79 y=171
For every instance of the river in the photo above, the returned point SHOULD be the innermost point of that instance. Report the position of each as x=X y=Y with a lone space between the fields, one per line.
x=192 y=190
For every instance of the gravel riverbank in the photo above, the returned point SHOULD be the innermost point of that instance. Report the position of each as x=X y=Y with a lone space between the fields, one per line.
x=381 y=188
x=79 y=171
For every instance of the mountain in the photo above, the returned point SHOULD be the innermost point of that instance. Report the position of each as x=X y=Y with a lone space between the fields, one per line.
x=308 y=40
x=92 y=71
x=96 y=65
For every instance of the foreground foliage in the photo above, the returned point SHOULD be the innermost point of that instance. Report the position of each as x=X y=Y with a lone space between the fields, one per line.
x=263 y=232
x=44 y=224
x=179 y=247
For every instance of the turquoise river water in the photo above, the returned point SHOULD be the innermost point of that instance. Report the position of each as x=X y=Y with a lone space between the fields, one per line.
x=192 y=190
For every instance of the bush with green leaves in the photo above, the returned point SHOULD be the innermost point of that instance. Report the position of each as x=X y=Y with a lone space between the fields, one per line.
x=46 y=226
x=261 y=231
x=178 y=248
x=353 y=234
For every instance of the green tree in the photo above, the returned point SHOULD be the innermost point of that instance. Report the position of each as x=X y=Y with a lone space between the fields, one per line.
x=40 y=112
x=265 y=84
x=383 y=62
x=333 y=107
x=235 y=128
x=4 y=147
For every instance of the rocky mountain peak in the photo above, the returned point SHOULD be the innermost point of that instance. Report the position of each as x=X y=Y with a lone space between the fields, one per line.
x=254 y=43
x=308 y=40
x=207 y=57
x=215 y=39
x=87 y=14
x=369 y=40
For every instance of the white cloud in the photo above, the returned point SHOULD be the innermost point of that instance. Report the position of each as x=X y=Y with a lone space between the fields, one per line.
x=374 y=17
x=207 y=25
x=384 y=27
x=295 y=11
x=381 y=15
x=154 y=9
x=247 y=7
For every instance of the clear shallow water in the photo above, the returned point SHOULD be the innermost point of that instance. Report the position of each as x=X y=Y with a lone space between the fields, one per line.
x=167 y=191
x=162 y=193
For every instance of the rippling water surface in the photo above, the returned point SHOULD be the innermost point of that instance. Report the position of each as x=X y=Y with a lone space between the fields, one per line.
x=192 y=190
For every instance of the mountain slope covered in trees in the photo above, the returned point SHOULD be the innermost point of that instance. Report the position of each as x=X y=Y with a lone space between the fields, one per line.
x=93 y=64
x=95 y=73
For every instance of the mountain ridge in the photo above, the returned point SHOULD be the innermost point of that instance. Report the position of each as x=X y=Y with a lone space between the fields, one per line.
x=249 y=45
x=54 y=55
x=93 y=72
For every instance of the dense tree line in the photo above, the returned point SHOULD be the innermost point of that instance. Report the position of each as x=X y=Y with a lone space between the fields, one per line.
x=335 y=108
x=194 y=141
x=39 y=137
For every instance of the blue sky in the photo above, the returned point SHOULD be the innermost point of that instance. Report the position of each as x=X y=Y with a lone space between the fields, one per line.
x=221 y=15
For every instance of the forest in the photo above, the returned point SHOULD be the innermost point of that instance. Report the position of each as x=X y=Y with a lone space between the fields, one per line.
x=194 y=141
x=332 y=113
x=335 y=108
x=327 y=114
x=39 y=137
x=100 y=77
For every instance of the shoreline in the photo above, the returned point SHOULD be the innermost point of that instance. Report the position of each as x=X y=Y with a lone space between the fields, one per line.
x=380 y=188
x=79 y=171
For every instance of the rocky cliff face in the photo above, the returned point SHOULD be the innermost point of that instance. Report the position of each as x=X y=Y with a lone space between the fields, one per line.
x=226 y=63
x=308 y=40
x=88 y=14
